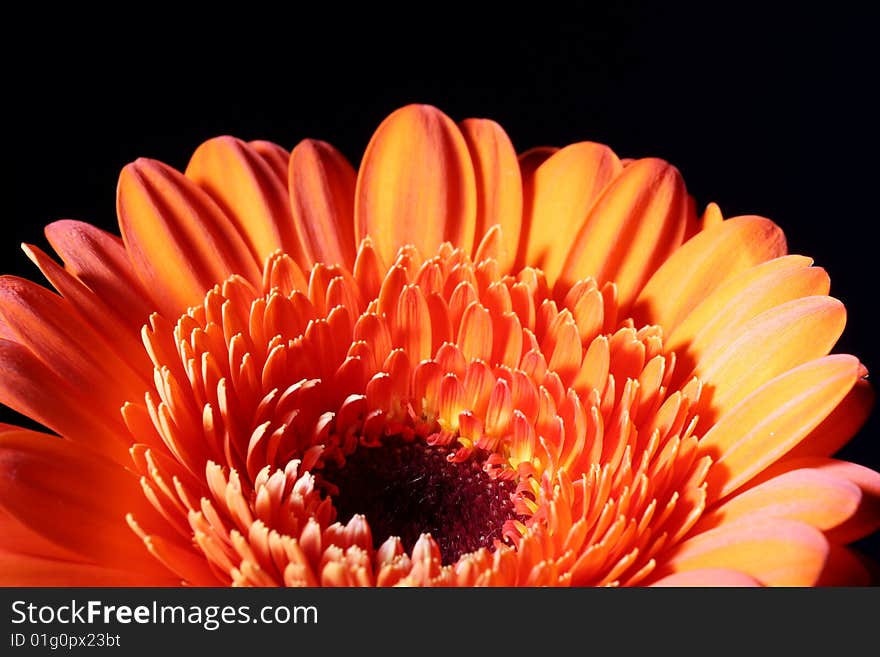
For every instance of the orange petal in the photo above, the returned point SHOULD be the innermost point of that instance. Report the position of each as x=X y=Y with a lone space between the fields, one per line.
x=19 y=539
x=322 y=184
x=774 y=551
x=702 y=264
x=638 y=222
x=562 y=191
x=73 y=498
x=120 y=332
x=499 y=186
x=48 y=326
x=30 y=388
x=809 y=495
x=773 y=419
x=276 y=157
x=529 y=161
x=866 y=519
x=772 y=343
x=179 y=241
x=245 y=186
x=100 y=261
x=745 y=296
x=30 y=570
x=416 y=184
x=709 y=577
x=840 y=426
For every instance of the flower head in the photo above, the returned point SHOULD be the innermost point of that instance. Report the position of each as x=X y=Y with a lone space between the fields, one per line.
x=454 y=366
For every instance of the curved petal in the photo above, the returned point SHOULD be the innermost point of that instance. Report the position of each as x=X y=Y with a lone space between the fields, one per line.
x=322 y=184
x=32 y=389
x=416 y=184
x=866 y=518
x=638 y=222
x=180 y=243
x=19 y=539
x=707 y=577
x=48 y=326
x=246 y=188
x=117 y=331
x=721 y=314
x=100 y=261
x=773 y=419
x=819 y=499
x=74 y=498
x=562 y=191
x=774 y=551
x=499 y=185
x=702 y=264
x=840 y=426
x=529 y=161
x=276 y=157
x=765 y=347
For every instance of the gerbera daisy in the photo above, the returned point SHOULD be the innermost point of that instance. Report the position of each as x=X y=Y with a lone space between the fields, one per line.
x=453 y=366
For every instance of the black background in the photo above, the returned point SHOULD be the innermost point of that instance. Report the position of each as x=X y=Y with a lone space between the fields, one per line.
x=765 y=112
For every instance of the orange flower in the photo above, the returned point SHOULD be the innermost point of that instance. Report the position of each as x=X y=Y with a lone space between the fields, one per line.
x=451 y=367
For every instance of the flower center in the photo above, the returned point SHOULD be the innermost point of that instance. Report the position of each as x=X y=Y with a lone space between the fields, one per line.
x=406 y=489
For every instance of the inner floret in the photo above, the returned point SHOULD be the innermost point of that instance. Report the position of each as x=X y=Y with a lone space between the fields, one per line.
x=406 y=489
